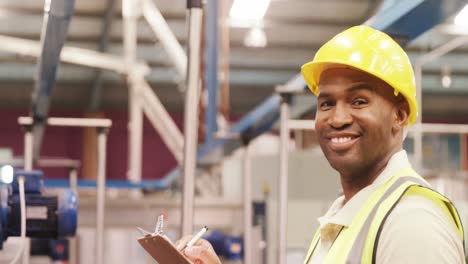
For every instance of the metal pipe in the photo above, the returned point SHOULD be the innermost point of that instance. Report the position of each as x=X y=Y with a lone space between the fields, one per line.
x=441 y=50
x=28 y=149
x=296 y=83
x=211 y=73
x=79 y=56
x=131 y=12
x=224 y=102
x=73 y=258
x=247 y=182
x=135 y=142
x=442 y=129
x=283 y=182
x=57 y=16
x=170 y=43
x=70 y=122
x=301 y=124
x=101 y=195
x=161 y=120
x=44 y=162
x=191 y=113
x=73 y=177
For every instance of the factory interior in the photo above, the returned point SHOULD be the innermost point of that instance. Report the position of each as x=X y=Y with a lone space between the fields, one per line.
x=119 y=115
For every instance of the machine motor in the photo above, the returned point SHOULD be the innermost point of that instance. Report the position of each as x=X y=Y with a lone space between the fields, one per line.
x=46 y=216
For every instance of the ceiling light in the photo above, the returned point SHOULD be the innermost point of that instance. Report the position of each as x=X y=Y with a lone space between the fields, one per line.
x=446 y=78
x=461 y=19
x=249 y=10
x=256 y=38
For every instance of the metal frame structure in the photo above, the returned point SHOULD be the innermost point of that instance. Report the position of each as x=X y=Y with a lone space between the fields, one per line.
x=420 y=62
x=128 y=65
x=102 y=126
x=142 y=98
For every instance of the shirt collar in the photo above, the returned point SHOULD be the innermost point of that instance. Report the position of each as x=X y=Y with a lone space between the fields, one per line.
x=343 y=215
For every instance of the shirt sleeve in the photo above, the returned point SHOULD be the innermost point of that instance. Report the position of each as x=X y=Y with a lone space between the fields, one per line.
x=418 y=231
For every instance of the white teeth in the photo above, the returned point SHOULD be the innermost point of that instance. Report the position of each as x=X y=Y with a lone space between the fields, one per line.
x=340 y=139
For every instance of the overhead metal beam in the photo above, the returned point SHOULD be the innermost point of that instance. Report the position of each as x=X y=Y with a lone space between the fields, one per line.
x=394 y=18
x=57 y=15
x=79 y=56
x=407 y=19
x=167 y=38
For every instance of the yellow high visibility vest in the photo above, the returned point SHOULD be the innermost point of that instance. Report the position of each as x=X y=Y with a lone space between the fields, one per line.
x=357 y=243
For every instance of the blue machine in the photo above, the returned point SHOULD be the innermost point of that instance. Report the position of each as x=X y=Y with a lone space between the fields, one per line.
x=229 y=247
x=46 y=216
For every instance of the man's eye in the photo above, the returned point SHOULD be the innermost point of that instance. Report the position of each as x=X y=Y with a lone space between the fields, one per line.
x=326 y=104
x=359 y=102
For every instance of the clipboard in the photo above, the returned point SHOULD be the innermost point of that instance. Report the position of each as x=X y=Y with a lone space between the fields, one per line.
x=162 y=250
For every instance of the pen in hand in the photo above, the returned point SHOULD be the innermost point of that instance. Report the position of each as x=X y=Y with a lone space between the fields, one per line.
x=195 y=238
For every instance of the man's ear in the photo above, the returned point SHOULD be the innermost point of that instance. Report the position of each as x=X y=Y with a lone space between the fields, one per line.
x=401 y=114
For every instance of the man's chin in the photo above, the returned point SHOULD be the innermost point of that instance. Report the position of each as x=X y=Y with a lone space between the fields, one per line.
x=343 y=164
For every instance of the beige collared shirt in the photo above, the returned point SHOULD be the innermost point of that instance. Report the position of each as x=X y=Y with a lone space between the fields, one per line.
x=417 y=230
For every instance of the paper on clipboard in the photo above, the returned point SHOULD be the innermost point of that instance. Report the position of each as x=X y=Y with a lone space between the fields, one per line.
x=162 y=250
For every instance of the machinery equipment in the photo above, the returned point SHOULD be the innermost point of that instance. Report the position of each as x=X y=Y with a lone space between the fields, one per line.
x=47 y=216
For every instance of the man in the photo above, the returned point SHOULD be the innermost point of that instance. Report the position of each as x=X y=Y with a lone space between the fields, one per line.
x=366 y=98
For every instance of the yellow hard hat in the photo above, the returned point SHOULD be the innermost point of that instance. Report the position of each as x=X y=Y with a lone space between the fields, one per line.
x=371 y=51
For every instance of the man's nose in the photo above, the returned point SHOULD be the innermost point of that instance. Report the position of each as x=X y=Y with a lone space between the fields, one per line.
x=340 y=116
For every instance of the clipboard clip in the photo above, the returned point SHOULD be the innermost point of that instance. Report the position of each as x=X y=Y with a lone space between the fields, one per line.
x=158 y=229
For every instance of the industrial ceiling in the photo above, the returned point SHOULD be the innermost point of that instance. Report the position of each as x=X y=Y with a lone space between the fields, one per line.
x=295 y=29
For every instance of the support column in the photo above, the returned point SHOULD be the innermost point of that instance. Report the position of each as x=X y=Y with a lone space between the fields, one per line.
x=283 y=180
x=131 y=13
x=101 y=194
x=191 y=113
x=247 y=183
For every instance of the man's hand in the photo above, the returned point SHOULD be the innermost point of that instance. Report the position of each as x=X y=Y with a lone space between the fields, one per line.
x=200 y=253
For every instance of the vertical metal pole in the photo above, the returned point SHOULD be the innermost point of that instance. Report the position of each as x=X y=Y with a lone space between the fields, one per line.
x=247 y=182
x=130 y=10
x=135 y=136
x=224 y=60
x=211 y=73
x=73 y=258
x=283 y=181
x=73 y=179
x=28 y=165
x=418 y=158
x=191 y=113
x=28 y=148
x=101 y=195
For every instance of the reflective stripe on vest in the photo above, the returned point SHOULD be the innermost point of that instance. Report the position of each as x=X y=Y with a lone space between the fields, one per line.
x=357 y=243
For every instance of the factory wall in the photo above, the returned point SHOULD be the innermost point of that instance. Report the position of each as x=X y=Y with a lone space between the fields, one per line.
x=68 y=143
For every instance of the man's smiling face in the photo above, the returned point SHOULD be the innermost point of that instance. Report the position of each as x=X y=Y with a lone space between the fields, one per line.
x=355 y=119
